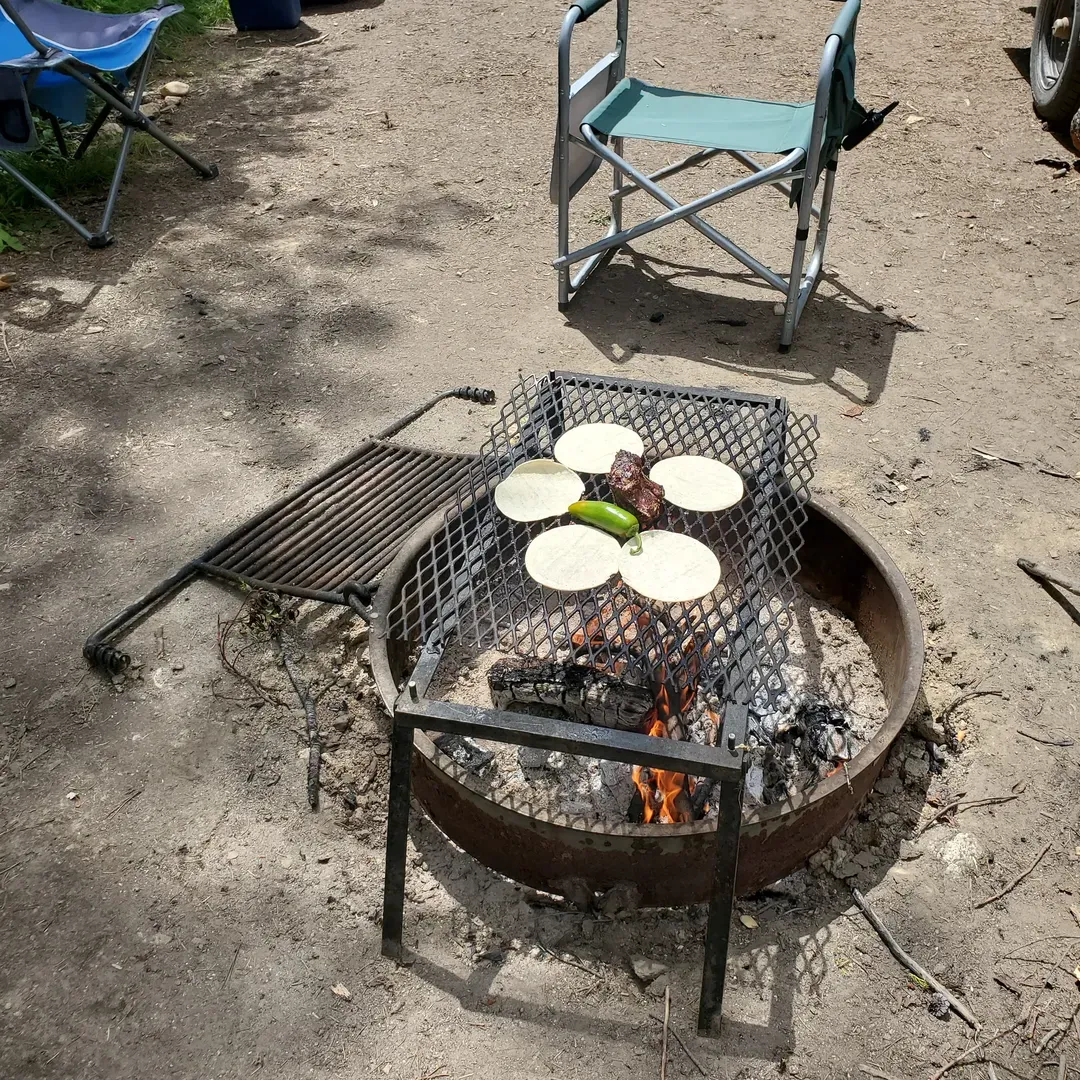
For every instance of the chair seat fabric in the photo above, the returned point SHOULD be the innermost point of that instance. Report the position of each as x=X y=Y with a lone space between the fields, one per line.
x=636 y=110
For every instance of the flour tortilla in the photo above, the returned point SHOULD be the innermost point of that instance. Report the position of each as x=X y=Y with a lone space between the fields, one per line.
x=591 y=448
x=698 y=483
x=672 y=568
x=572 y=557
x=538 y=489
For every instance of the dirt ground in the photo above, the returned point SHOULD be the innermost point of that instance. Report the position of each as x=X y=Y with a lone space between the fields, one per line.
x=380 y=231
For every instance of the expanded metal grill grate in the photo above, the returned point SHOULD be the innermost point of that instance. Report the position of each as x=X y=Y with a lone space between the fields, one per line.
x=472 y=579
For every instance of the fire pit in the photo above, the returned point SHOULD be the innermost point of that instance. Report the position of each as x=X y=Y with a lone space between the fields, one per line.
x=461 y=578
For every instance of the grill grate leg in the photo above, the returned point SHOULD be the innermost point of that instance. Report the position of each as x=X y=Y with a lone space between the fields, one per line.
x=722 y=901
x=397 y=840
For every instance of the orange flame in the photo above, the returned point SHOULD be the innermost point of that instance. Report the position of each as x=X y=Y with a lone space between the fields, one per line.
x=666 y=795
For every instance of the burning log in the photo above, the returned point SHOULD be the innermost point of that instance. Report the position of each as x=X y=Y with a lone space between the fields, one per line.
x=586 y=694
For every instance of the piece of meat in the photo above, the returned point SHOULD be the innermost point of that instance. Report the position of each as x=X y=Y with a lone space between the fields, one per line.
x=633 y=490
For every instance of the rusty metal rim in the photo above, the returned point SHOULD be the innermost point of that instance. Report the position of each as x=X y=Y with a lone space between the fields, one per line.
x=900 y=709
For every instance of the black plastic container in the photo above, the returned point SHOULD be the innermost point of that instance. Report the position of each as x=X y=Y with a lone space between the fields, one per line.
x=265 y=14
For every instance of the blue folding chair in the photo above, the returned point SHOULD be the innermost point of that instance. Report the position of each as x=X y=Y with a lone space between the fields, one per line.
x=53 y=59
x=604 y=109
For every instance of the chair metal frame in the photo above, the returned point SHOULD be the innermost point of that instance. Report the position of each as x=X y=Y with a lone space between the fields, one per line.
x=129 y=113
x=798 y=286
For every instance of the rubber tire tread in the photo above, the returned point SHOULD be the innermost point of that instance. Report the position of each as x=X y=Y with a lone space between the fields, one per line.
x=1057 y=103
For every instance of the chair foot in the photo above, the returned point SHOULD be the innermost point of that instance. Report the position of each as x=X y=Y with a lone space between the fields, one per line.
x=100 y=240
x=564 y=306
x=210 y=174
x=783 y=348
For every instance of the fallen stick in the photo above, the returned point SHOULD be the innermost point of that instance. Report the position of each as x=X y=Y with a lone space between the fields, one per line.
x=1043 y=573
x=967 y=695
x=965 y=804
x=1016 y=880
x=977 y=1048
x=998 y=457
x=667 y=1020
x=314 y=739
x=873 y=1070
x=1075 y=912
x=130 y=797
x=913 y=966
x=991 y=1072
x=686 y=1049
x=1045 y=742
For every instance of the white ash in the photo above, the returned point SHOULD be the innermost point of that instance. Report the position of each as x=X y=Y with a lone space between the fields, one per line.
x=829 y=670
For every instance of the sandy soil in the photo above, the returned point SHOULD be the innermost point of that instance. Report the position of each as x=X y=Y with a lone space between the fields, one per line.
x=381 y=230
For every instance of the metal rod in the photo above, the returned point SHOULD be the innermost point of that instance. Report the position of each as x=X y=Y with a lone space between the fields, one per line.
x=397 y=840
x=756 y=166
x=395 y=520
x=340 y=524
x=678 y=212
x=92 y=130
x=319 y=595
x=668 y=170
x=129 y=134
x=297 y=514
x=521 y=729
x=44 y=199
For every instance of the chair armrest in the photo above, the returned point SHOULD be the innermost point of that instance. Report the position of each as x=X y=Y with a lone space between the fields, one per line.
x=589 y=7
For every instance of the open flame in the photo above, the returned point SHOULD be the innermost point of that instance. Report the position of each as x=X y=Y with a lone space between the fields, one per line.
x=666 y=795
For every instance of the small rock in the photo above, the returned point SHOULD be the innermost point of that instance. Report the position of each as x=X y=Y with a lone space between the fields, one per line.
x=323 y=858
x=95 y=329
x=819 y=861
x=962 y=855
x=178 y=667
x=71 y=796
x=490 y=956
x=849 y=868
x=171 y=99
x=658 y=987
x=909 y=852
x=176 y=89
x=938 y=1006
x=647 y=970
x=5 y=586
x=9 y=683
x=866 y=859
x=922 y=472
x=161 y=939
x=231 y=856
x=531 y=759
x=227 y=414
x=916 y=768
x=889 y=785
x=620 y=899
x=342 y=723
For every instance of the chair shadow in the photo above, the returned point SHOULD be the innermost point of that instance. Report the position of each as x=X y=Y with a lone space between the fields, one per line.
x=638 y=304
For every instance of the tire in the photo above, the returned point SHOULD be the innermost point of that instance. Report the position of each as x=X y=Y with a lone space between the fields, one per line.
x=1055 y=63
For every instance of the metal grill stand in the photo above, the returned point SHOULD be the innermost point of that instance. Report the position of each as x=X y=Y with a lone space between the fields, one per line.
x=471 y=584
x=724 y=763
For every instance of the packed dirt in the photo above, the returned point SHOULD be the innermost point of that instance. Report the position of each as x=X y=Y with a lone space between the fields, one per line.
x=380 y=231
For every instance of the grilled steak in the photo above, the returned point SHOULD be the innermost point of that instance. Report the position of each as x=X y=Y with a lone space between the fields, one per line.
x=585 y=694
x=633 y=490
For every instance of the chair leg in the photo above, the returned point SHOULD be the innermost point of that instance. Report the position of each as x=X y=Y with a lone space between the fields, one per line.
x=92 y=131
x=44 y=199
x=616 y=203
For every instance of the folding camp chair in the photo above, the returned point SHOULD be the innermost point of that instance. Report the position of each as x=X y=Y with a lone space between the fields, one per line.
x=52 y=58
x=603 y=109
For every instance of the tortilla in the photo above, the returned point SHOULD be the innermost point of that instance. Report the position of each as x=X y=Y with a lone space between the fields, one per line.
x=572 y=557
x=672 y=568
x=698 y=483
x=538 y=489
x=591 y=448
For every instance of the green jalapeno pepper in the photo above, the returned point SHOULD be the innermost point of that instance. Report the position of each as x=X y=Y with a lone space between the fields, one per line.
x=611 y=518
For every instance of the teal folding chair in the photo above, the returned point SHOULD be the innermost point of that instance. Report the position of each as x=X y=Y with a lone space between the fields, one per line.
x=603 y=109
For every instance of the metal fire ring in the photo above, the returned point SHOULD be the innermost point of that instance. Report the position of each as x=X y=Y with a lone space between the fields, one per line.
x=671 y=865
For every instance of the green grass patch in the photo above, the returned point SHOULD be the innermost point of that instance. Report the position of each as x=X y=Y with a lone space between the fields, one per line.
x=65 y=179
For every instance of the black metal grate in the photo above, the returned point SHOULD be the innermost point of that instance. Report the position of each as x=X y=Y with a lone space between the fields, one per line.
x=347 y=526
x=472 y=579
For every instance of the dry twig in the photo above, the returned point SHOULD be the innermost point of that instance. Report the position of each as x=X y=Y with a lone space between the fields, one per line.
x=313 y=736
x=3 y=334
x=977 y=1048
x=1016 y=880
x=667 y=1020
x=686 y=1049
x=1045 y=742
x=913 y=966
x=964 y=804
x=130 y=797
x=1045 y=574
x=967 y=695
x=873 y=1070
